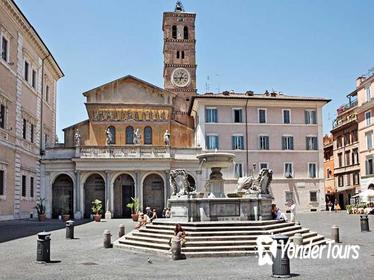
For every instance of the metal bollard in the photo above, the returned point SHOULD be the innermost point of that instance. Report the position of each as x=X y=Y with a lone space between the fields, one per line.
x=298 y=239
x=43 y=247
x=281 y=264
x=364 y=219
x=107 y=239
x=69 y=229
x=335 y=233
x=176 y=250
x=121 y=231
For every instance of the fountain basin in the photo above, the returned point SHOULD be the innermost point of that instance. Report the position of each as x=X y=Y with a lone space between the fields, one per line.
x=216 y=160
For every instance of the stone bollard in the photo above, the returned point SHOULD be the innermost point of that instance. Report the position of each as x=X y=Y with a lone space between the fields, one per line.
x=107 y=239
x=121 y=231
x=298 y=239
x=176 y=250
x=364 y=223
x=69 y=229
x=43 y=247
x=335 y=233
x=281 y=264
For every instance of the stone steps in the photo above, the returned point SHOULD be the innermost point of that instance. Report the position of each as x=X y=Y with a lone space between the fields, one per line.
x=233 y=238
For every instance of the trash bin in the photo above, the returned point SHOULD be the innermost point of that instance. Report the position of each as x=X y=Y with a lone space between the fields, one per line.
x=69 y=229
x=364 y=223
x=43 y=247
x=281 y=264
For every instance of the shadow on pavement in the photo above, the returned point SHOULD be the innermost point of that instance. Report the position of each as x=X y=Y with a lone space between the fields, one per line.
x=14 y=229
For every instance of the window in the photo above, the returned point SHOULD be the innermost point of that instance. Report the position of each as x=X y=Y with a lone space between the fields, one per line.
x=46 y=139
x=312 y=170
x=310 y=117
x=339 y=141
x=238 y=170
x=238 y=115
x=368 y=93
x=2 y=116
x=369 y=140
x=2 y=182
x=348 y=179
x=111 y=135
x=368 y=118
x=129 y=135
x=178 y=55
x=311 y=143
x=347 y=158
x=340 y=160
x=211 y=115
x=185 y=33
x=286 y=116
x=23 y=185
x=237 y=142
x=261 y=115
x=287 y=142
x=263 y=142
x=33 y=79
x=340 y=181
x=47 y=93
x=329 y=173
x=354 y=136
x=182 y=54
x=263 y=165
x=346 y=139
x=212 y=142
x=26 y=69
x=32 y=133
x=4 y=48
x=31 y=186
x=24 y=129
x=313 y=196
x=148 y=135
x=289 y=196
x=369 y=166
x=356 y=178
x=288 y=170
x=174 y=32
x=355 y=156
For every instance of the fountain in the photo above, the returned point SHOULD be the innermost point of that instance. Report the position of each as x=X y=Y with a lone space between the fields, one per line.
x=252 y=201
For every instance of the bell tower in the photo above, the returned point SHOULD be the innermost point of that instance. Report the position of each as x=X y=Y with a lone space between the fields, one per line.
x=180 y=56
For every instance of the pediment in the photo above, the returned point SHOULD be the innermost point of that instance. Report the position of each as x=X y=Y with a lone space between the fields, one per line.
x=129 y=90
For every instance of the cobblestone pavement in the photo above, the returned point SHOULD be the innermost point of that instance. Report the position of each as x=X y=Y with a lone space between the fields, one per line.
x=85 y=257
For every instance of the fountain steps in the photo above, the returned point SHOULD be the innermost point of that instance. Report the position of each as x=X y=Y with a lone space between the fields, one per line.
x=217 y=239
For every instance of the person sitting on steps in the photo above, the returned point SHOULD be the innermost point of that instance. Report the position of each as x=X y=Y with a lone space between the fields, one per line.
x=143 y=220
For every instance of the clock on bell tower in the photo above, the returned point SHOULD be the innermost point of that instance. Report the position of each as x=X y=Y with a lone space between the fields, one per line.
x=180 y=55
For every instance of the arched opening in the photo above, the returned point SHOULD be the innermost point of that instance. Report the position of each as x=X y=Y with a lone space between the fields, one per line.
x=153 y=193
x=191 y=181
x=124 y=190
x=185 y=33
x=371 y=187
x=111 y=135
x=174 y=32
x=129 y=135
x=62 y=196
x=148 y=135
x=94 y=188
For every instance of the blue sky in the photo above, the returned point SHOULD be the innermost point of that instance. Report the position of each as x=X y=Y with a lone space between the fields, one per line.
x=308 y=48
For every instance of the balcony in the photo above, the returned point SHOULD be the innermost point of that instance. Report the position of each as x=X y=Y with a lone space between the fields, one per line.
x=338 y=122
x=347 y=106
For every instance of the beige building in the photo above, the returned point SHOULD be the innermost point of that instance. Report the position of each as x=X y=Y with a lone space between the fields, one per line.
x=28 y=77
x=328 y=162
x=270 y=130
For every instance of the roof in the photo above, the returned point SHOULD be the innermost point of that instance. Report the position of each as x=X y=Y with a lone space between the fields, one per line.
x=61 y=74
x=129 y=77
x=252 y=96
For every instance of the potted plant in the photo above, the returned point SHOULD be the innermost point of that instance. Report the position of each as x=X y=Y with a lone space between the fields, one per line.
x=97 y=207
x=134 y=206
x=40 y=208
x=65 y=214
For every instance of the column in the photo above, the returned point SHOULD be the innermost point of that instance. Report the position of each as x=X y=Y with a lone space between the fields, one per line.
x=108 y=194
x=77 y=196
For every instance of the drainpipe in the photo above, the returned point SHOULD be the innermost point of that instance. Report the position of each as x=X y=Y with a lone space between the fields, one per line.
x=246 y=135
x=42 y=149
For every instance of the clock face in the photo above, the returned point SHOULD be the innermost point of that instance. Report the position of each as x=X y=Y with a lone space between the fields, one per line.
x=180 y=77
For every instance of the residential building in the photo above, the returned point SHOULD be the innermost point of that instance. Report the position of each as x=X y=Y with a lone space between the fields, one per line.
x=346 y=151
x=267 y=130
x=328 y=163
x=28 y=79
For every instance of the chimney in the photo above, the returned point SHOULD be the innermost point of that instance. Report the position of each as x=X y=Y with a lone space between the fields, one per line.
x=359 y=81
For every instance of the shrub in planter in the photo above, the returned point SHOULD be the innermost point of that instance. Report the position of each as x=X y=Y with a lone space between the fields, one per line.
x=97 y=209
x=135 y=207
x=40 y=208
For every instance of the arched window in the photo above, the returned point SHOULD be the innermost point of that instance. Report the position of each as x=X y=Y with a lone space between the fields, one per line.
x=177 y=54
x=111 y=135
x=174 y=32
x=148 y=135
x=185 y=33
x=129 y=135
x=182 y=54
